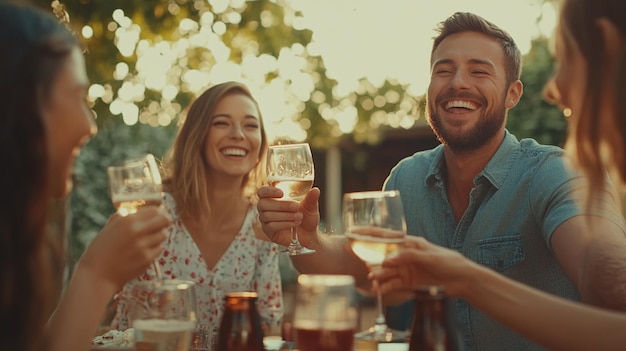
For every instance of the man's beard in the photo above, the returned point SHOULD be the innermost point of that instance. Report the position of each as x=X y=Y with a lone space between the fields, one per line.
x=488 y=124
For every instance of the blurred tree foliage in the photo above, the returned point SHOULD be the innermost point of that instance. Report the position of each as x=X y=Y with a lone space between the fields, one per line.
x=534 y=117
x=248 y=30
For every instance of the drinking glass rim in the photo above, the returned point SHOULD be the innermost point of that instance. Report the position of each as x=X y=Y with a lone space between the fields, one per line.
x=131 y=161
x=326 y=279
x=243 y=294
x=371 y=194
x=287 y=146
x=173 y=284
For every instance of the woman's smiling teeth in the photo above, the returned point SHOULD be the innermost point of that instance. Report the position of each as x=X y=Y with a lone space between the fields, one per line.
x=234 y=152
x=460 y=104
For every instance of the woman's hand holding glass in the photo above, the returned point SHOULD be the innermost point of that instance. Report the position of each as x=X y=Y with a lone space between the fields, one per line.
x=126 y=246
x=134 y=185
x=420 y=263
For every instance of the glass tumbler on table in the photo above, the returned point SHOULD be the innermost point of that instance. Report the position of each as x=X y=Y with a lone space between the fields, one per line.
x=325 y=315
x=375 y=227
x=163 y=314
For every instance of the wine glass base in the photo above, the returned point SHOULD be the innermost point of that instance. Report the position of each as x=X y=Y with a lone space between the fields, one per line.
x=299 y=250
x=388 y=335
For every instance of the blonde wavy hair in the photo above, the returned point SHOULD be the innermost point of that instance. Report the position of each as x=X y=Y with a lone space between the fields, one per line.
x=184 y=167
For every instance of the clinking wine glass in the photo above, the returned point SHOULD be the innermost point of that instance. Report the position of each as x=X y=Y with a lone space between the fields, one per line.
x=133 y=184
x=290 y=168
x=375 y=226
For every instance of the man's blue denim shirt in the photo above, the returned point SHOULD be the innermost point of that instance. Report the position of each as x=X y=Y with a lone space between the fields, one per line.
x=522 y=195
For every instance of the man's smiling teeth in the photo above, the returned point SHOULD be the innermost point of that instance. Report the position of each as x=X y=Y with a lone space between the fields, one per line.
x=460 y=104
x=234 y=152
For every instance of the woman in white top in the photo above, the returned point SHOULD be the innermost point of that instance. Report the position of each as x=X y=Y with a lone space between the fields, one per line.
x=211 y=175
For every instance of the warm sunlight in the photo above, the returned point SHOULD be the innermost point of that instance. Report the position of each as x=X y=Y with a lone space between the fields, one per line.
x=401 y=31
x=374 y=39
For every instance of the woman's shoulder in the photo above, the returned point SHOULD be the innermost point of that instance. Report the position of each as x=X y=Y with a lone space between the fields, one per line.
x=169 y=204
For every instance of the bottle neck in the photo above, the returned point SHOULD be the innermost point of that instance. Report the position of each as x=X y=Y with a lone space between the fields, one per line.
x=240 y=328
x=433 y=328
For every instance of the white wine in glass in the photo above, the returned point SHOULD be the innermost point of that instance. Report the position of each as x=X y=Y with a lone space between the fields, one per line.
x=133 y=184
x=375 y=227
x=290 y=168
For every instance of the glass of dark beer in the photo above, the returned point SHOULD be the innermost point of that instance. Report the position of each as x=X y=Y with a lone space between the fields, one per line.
x=325 y=315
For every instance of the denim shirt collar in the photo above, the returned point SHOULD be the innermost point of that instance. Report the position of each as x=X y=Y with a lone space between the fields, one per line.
x=496 y=170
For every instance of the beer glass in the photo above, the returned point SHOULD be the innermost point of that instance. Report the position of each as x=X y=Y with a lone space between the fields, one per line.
x=163 y=314
x=325 y=315
x=375 y=227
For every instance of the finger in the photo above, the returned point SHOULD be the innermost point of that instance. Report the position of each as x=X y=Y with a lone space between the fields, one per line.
x=405 y=256
x=291 y=215
x=391 y=285
x=149 y=220
x=154 y=252
x=273 y=205
x=416 y=242
x=269 y=192
x=155 y=239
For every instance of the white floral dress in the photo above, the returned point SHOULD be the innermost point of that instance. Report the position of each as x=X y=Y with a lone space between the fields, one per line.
x=249 y=264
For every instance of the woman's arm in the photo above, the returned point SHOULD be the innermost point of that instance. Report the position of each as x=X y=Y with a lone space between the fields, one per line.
x=123 y=249
x=550 y=321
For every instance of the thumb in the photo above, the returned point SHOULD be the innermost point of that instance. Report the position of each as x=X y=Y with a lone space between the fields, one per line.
x=310 y=204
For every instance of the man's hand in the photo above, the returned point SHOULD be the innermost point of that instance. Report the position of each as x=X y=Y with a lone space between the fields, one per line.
x=278 y=216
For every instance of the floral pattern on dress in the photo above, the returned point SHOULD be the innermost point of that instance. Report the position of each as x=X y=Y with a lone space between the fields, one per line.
x=249 y=264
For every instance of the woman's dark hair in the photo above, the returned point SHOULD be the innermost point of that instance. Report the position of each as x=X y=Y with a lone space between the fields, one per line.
x=592 y=136
x=34 y=47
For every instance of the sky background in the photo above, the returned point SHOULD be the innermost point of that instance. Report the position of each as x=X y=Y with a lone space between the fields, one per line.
x=382 y=39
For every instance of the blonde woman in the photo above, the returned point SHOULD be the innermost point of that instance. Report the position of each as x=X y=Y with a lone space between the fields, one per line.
x=211 y=175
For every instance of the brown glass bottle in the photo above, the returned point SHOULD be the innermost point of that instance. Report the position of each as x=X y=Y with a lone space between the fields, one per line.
x=433 y=328
x=240 y=329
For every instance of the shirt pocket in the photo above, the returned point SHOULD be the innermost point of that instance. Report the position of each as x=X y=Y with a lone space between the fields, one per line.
x=501 y=253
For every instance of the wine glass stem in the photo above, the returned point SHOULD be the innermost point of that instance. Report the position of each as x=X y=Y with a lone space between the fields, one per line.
x=157 y=270
x=295 y=243
x=380 y=324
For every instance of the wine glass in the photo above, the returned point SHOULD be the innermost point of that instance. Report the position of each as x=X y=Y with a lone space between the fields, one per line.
x=163 y=314
x=375 y=226
x=290 y=168
x=133 y=184
x=325 y=315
